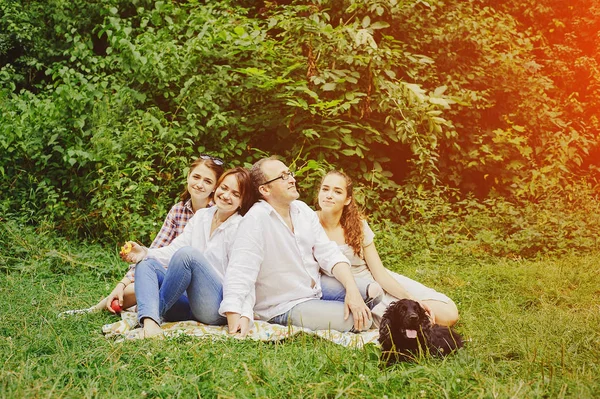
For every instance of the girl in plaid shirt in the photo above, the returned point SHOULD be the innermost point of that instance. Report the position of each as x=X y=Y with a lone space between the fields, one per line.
x=201 y=182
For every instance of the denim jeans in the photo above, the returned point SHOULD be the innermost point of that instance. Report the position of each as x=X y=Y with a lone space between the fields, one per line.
x=333 y=290
x=149 y=276
x=190 y=271
x=318 y=314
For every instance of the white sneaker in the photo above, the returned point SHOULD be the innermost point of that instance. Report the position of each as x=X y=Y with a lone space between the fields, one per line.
x=77 y=311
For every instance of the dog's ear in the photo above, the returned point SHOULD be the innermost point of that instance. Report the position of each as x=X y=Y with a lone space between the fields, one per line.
x=386 y=340
x=423 y=315
x=385 y=324
x=385 y=331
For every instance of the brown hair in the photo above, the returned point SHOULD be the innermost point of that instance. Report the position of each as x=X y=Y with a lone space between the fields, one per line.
x=210 y=164
x=247 y=194
x=352 y=217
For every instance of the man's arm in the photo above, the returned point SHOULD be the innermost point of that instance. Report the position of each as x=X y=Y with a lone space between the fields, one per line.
x=242 y=270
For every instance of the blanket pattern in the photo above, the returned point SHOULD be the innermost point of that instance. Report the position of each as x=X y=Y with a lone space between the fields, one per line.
x=128 y=329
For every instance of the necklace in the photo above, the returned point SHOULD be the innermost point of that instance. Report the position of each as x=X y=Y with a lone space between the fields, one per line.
x=216 y=222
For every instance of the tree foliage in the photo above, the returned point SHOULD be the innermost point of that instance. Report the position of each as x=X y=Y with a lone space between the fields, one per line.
x=104 y=102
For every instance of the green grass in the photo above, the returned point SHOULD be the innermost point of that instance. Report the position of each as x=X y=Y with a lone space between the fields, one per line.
x=532 y=329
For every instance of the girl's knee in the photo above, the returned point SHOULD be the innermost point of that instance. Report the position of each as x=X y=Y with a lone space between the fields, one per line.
x=144 y=265
x=446 y=314
x=184 y=253
x=184 y=257
x=145 y=268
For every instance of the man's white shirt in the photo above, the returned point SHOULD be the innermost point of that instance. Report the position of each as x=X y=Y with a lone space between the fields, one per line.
x=281 y=265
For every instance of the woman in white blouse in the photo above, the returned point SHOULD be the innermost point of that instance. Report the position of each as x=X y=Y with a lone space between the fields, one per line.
x=194 y=262
x=344 y=224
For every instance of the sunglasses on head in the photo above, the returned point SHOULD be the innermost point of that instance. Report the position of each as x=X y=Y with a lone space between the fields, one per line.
x=217 y=161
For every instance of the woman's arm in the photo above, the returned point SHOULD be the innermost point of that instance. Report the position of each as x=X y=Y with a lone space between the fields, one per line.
x=381 y=275
x=173 y=225
x=353 y=302
x=191 y=229
x=118 y=293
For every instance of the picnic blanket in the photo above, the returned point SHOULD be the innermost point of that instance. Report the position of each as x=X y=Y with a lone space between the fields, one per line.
x=128 y=329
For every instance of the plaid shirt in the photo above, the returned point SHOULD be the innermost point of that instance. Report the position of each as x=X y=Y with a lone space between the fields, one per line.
x=174 y=224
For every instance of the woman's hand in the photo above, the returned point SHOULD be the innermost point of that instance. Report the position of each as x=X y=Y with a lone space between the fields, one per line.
x=116 y=293
x=238 y=324
x=360 y=312
x=353 y=302
x=133 y=252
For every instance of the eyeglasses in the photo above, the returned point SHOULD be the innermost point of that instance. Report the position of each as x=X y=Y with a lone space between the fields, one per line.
x=284 y=176
x=217 y=161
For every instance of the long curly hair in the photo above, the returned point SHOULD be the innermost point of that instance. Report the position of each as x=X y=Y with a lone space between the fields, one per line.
x=352 y=217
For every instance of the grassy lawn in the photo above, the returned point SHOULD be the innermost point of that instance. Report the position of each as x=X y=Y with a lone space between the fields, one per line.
x=532 y=329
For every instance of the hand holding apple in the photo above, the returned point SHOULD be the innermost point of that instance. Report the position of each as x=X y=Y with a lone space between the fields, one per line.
x=115 y=306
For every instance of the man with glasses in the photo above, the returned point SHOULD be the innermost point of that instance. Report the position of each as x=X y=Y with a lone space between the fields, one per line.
x=279 y=250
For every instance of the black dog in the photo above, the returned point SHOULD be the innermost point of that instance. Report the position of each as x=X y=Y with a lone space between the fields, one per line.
x=406 y=329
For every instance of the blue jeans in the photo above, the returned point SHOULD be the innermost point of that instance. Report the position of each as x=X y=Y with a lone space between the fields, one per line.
x=149 y=276
x=333 y=290
x=190 y=271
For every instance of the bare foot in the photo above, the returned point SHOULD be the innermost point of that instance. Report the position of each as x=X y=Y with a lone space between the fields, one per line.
x=151 y=329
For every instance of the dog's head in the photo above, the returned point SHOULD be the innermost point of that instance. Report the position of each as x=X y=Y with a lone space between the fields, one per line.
x=406 y=331
x=405 y=318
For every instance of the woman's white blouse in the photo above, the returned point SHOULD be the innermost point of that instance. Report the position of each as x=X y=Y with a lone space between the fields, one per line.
x=216 y=248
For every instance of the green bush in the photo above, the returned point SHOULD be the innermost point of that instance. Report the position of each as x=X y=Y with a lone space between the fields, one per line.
x=103 y=108
x=436 y=227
